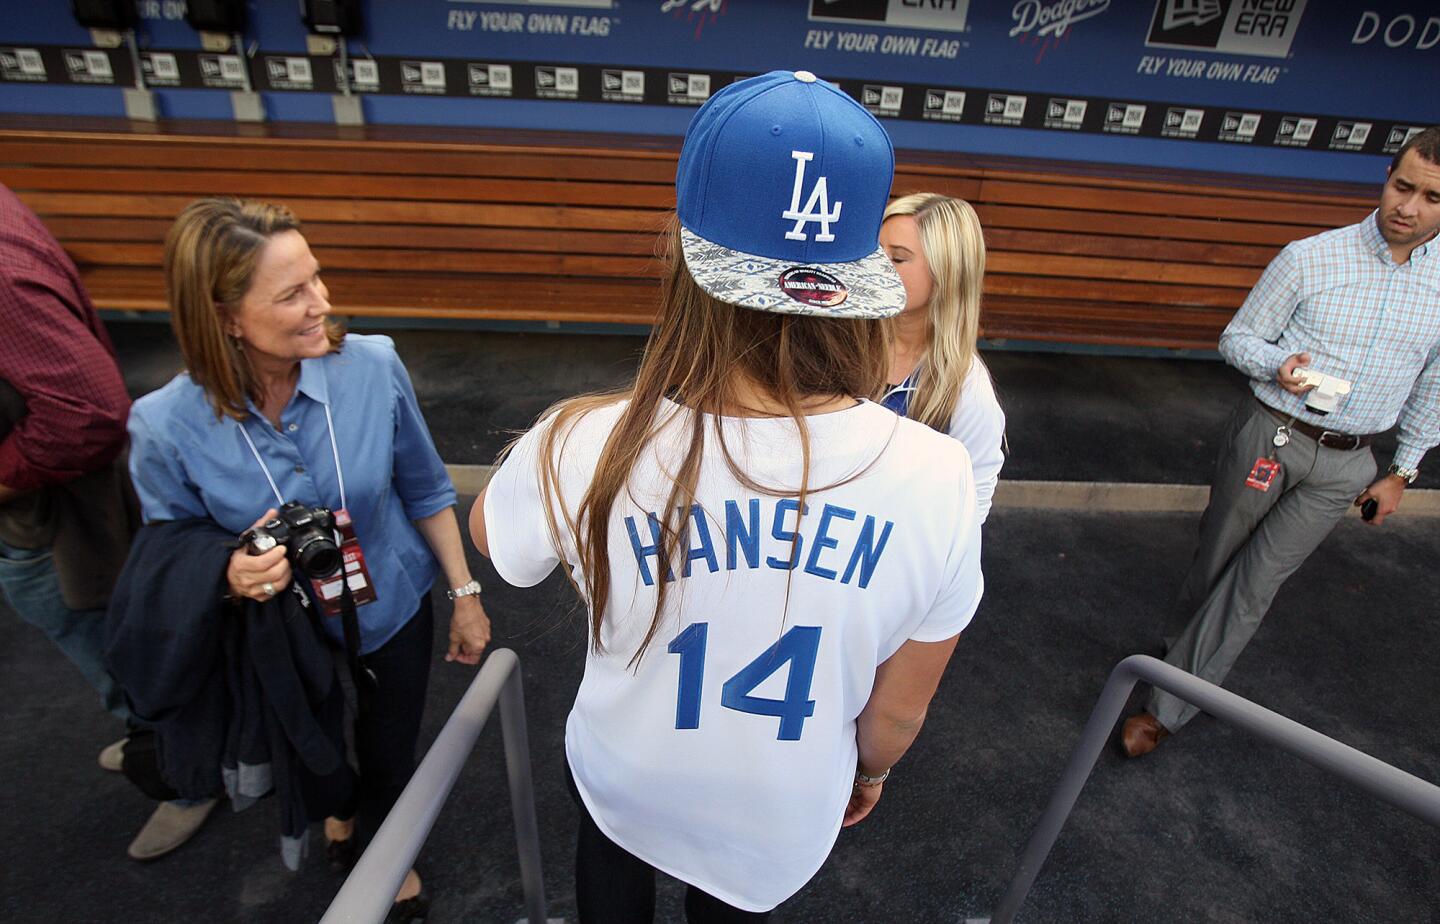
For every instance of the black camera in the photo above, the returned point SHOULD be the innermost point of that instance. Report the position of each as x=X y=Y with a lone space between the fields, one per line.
x=308 y=534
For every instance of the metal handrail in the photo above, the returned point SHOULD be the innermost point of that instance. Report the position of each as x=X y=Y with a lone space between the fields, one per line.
x=1391 y=784
x=369 y=890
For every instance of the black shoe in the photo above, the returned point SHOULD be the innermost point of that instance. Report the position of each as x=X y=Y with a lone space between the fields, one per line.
x=340 y=854
x=415 y=908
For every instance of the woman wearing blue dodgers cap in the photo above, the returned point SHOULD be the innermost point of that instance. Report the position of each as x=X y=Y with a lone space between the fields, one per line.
x=776 y=570
x=937 y=377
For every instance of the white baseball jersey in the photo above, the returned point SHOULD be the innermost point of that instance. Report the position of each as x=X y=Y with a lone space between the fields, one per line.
x=726 y=757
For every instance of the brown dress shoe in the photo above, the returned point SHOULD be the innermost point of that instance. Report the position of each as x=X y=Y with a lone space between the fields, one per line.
x=1142 y=734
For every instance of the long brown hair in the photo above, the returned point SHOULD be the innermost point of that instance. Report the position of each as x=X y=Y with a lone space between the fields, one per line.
x=210 y=257
x=699 y=353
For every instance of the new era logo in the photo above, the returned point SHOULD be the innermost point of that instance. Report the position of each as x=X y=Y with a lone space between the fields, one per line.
x=688 y=86
x=1351 y=133
x=1297 y=130
x=1123 y=115
x=1244 y=27
x=1184 y=120
x=1191 y=12
x=950 y=103
x=1005 y=107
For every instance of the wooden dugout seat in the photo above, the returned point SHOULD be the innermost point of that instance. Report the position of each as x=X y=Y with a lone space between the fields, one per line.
x=529 y=226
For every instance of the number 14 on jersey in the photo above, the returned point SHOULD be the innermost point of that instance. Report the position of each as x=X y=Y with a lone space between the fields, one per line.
x=797 y=647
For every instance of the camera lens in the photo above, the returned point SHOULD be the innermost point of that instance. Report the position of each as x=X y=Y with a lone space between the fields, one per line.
x=318 y=557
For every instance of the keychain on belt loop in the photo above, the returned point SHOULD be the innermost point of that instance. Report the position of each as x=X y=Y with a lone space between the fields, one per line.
x=1267 y=467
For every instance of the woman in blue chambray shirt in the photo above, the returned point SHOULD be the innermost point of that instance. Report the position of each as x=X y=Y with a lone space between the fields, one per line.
x=278 y=405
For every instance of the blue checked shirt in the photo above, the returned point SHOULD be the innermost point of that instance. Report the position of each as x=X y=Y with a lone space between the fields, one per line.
x=1342 y=298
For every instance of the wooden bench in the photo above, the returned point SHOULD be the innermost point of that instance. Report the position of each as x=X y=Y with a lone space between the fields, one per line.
x=526 y=226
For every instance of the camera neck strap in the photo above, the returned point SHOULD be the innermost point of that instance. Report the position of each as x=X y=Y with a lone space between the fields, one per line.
x=334 y=451
x=364 y=678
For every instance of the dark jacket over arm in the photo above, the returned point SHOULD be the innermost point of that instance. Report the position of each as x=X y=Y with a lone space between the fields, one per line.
x=242 y=696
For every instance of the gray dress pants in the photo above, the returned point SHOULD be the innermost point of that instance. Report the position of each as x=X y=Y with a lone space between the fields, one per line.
x=1251 y=541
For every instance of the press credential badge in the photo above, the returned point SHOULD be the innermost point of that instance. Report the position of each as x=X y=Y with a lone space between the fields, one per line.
x=353 y=567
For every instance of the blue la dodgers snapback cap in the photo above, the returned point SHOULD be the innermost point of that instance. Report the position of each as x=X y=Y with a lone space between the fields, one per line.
x=780 y=191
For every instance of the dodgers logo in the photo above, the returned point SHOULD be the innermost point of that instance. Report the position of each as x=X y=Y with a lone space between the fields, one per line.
x=819 y=196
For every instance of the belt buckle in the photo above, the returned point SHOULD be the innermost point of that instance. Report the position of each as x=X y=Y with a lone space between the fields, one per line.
x=1327 y=434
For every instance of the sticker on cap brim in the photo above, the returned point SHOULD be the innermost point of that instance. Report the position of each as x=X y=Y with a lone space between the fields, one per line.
x=811 y=286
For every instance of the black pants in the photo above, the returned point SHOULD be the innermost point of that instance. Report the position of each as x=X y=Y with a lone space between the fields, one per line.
x=386 y=734
x=613 y=886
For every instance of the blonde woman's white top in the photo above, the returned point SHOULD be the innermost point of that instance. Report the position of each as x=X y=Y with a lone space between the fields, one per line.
x=978 y=423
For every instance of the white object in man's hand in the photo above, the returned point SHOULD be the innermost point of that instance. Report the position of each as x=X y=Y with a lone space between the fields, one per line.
x=1326 y=390
x=1290 y=375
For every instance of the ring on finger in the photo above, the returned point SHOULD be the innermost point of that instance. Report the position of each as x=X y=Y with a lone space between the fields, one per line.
x=268 y=589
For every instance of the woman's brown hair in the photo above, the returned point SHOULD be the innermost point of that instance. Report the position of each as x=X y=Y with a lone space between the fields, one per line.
x=699 y=353
x=210 y=257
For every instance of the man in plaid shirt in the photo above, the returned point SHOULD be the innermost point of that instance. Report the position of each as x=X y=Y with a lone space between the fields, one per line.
x=67 y=511
x=1360 y=304
x=63 y=407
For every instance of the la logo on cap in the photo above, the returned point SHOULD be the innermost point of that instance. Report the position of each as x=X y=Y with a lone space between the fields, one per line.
x=820 y=196
x=745 y=243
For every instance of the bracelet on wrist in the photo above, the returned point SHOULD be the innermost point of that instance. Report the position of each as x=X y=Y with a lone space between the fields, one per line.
x=865 y=781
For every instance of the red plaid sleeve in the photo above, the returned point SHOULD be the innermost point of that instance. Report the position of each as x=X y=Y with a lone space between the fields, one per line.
x=54 y=352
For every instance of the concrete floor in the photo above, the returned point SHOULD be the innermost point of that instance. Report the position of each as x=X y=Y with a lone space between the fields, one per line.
x=1212 y=827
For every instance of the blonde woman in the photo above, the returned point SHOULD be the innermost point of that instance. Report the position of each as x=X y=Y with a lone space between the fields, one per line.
x=936 y=375
x=776 y=569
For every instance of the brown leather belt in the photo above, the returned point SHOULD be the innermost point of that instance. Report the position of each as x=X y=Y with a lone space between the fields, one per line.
x=1330 y=439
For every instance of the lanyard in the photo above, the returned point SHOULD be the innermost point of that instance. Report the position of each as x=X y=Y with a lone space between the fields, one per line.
x=902 y=394
x=334 y=449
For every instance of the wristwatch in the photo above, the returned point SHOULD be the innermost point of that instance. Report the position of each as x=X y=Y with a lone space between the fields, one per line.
x=464 y=590
x=1409 y=474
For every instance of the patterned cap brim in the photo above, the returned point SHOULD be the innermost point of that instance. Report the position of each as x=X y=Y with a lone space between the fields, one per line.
x=871 y=286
